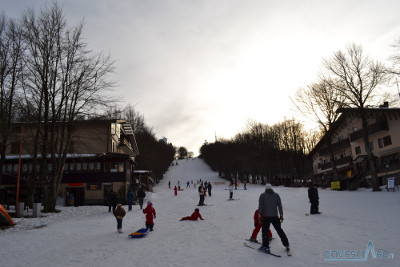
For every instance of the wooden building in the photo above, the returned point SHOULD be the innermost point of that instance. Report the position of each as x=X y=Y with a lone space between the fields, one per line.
x=101 y=158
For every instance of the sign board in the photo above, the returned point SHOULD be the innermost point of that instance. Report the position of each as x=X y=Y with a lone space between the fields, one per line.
x=390 y=183
x=335 y=185
x=75 y=184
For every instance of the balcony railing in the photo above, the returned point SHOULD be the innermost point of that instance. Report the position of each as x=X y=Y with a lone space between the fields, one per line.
x=338 y=162
x=373 y=128
x=342 y=144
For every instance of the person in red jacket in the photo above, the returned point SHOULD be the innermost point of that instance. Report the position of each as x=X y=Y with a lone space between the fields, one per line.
x=194 y=217
x=176 y=191
x=257 y=227
x=150 y=213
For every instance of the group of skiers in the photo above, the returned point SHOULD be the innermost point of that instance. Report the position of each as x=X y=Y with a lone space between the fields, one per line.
x=203 y=189
x=269 y=205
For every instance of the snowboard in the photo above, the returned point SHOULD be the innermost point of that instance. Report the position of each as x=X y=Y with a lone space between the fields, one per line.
x=257 y=246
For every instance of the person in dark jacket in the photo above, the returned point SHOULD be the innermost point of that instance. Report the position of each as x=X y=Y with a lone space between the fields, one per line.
x=268 y=205
x=209 y=187
x=129 y=198
x=194 y=217
x=314 y=198
x=141 y=195
x=119 y=214
x=112 y=201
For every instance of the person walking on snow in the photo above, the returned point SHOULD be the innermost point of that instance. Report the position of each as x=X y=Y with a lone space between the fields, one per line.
x=201 y=195
x=129 y=198
x=194 y=217
x=119 y=214
x=176 y=191
x=141 y=195
x=209 y=187
x=268 y=205
x=187 y=184
x=257 y=228
x=314 y=198
x=150 y=214
x=230 y=188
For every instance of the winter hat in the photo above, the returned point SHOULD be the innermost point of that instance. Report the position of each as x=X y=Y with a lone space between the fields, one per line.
x=149 y=203
x=196 y=209
x=119 y=205
x=268 y=186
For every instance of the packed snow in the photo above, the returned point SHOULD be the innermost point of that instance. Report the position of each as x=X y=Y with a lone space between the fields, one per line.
x=87 y=236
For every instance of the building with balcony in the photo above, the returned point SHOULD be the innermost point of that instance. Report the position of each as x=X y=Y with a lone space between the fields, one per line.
x=101 y=158
x=350 y=155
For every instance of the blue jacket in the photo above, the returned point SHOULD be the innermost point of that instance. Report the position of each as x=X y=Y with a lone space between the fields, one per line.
x=130 y=196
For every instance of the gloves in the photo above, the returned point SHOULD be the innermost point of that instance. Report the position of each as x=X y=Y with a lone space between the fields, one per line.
x=281 y=218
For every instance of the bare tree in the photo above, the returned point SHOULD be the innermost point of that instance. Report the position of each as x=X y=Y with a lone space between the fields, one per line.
x=357 y=78
x=63 y=82
x=11 y=51
x=320 y=102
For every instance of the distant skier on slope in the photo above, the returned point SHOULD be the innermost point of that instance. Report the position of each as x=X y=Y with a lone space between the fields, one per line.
x=201 y=194
x=230 y=188
x=194 y=217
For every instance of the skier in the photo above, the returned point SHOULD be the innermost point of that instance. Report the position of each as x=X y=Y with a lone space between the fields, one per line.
x=119 y=213
x=129 y=198
x=201 y=195
x=209 y=187
x=314 y=198
x=236 y=184
x=141 y=195
x=176 y=190
x=179 y=185
x=230 y=188
x=187 y=184
x=150 y=213
x=268 y=204
x=194 y=217
x=169 y=184
x=257 y=228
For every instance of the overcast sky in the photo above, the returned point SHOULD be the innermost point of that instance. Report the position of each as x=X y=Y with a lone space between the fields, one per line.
x=197 y=69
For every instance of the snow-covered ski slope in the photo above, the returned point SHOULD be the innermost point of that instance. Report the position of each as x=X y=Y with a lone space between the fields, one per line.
x=87 y=236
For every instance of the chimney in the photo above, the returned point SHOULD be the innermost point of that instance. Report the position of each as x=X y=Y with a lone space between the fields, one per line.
x=385 y=105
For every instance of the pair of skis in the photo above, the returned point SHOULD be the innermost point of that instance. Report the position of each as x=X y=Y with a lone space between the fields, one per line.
x=289 y=253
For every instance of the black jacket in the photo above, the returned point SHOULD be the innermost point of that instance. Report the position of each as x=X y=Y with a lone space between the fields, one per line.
x=141 y=193
x=313 y=194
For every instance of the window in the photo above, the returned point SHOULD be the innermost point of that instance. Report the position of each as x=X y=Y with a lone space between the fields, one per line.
x=385 y=141
x=93 y=187
x=358 y=150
